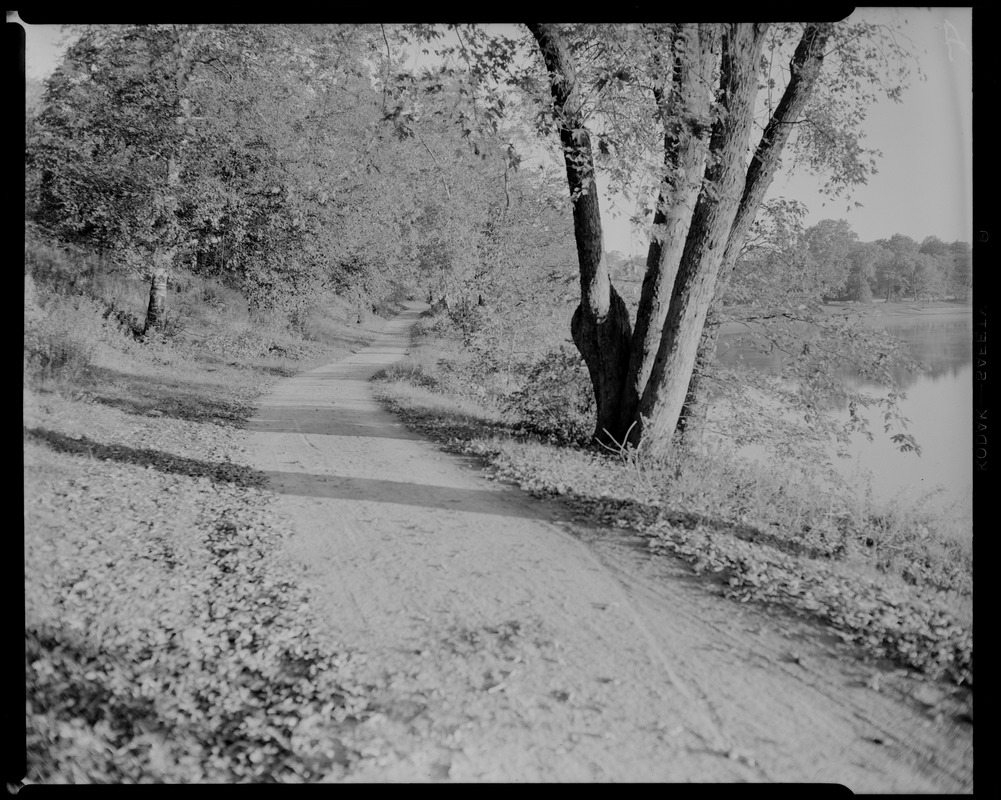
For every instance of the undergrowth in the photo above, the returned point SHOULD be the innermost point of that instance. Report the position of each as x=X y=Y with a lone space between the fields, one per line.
x=216 y=675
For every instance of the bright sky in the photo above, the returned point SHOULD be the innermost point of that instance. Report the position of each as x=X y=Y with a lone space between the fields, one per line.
x=924 y=184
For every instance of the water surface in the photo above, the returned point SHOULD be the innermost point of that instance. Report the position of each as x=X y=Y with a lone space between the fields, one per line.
x=938 y=405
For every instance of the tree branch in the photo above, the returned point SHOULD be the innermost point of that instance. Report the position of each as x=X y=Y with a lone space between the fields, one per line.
x=441 y=172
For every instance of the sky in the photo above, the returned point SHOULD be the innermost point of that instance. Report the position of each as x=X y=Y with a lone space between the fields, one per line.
x=924 y=181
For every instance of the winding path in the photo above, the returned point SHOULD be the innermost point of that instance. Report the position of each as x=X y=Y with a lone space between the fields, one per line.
x=506 y=644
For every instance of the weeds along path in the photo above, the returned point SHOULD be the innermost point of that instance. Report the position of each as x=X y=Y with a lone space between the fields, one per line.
x=501 y=645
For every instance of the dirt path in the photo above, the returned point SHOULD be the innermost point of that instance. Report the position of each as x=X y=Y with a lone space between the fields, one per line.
x=506 y=644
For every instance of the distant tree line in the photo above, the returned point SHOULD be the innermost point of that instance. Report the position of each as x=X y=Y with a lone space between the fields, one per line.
x=829 y=259
x=826 y=262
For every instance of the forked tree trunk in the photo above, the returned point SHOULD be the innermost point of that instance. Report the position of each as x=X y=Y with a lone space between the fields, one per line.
x=641 y=380
x=685 y=152
x=596 y=339
x=804 y=69
x=695 y=285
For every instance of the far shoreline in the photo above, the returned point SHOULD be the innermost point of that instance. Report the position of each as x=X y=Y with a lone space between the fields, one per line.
x=893 y=309
x=897 y=308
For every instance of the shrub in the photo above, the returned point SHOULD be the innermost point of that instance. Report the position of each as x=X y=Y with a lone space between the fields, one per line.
x=556 y=398
x=50 y=353
x=174 y=323
x=123 y=290
x=433 y=323
x=61 y=269
x=128 y=322
x=205 y=303
x=410 y=372
x=385 y=307
x=59 y=341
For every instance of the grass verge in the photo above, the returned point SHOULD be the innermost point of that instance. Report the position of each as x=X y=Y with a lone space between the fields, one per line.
x=883 y=577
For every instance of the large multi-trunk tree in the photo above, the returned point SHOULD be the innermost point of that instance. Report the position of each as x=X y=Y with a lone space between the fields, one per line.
x=704 y=80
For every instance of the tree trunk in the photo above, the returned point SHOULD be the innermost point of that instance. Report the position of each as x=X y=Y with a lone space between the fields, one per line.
x=684 y=159
x=691 y=421
x=169 y=202
x=695 y=285
x=804 y=68
x=596 y=339
x=157 y=308
x=600 y=327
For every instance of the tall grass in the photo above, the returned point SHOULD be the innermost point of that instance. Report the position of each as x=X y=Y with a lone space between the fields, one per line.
x=62 y=334
x=84 y=318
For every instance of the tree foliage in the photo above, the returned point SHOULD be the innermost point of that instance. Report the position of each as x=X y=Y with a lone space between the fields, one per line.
x=284 y=158
x=924 y=271
x=683 y=100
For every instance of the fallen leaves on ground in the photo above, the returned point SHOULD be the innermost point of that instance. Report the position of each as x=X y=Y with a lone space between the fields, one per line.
x=804 y=571
x=167 y=638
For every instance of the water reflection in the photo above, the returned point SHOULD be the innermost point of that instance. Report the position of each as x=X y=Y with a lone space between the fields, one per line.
x=938 y=404
x=942 y=342
x=945 y=345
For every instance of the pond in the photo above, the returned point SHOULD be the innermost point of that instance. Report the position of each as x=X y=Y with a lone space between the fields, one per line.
x=938 y=405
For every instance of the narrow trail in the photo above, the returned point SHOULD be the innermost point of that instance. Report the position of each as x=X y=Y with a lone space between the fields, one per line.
x=507 y=644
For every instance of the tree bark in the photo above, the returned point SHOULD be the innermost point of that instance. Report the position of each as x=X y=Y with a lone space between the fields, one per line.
x=804 y=68
x=695 y=285
x=692 y=419
x=165 y=249
x=157 y=308
x=684 y=107
x=600 y=326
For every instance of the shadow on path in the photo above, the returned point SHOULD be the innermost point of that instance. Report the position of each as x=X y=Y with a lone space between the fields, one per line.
x=192 y=400
x=445 y=498
x=325 y=422
x=219 y=471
